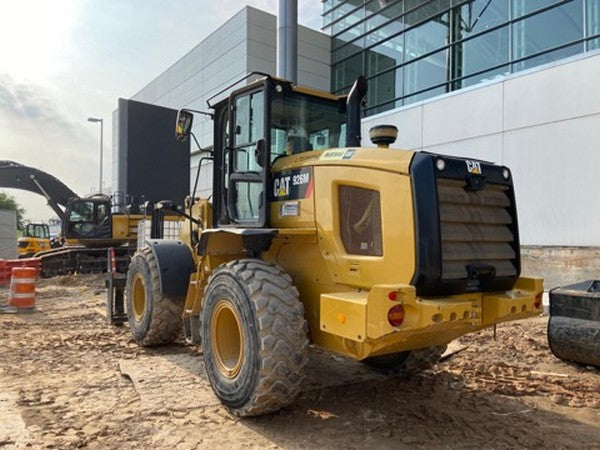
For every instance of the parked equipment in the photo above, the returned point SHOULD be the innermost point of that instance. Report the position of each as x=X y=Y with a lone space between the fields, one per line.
x=115 y=289
x=384 y=256
x=574 y=325
x=89 y=227
x=35 y=239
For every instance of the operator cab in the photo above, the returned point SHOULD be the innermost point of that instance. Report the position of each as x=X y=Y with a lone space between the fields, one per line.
x=88 y=218
x=37 y=230
x=257 y=124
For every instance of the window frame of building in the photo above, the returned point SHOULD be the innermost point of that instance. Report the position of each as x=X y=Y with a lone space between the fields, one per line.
x=474 y=27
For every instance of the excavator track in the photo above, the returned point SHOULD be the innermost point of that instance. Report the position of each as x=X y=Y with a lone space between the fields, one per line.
x=80 y=259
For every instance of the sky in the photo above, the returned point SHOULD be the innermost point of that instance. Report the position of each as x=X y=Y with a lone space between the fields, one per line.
x=62 y=61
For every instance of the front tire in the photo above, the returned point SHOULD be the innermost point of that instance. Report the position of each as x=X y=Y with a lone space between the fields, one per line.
x=154 y=318
x=254 y=337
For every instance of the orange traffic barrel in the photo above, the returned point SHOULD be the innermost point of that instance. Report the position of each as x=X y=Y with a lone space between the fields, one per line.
x=22 y=287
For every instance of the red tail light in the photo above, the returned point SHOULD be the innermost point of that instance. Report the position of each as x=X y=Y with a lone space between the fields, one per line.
x=396 y=315
x=393 y=295
x=538 y=300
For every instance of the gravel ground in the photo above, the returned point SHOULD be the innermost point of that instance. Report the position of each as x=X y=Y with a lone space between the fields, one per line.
x=69 y=380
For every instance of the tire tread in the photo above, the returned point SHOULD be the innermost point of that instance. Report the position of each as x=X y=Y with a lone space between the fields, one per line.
x=166 y=322
x=282 y=333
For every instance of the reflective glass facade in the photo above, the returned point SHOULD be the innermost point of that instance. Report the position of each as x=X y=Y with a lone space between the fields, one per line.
x=410 y=50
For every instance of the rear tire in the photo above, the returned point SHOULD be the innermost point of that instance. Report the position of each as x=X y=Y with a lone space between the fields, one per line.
x=154 y=318
x=406 y=364
x=254 y=337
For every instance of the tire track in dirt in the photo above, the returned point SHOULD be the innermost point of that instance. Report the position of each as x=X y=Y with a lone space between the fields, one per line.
x=62 y=370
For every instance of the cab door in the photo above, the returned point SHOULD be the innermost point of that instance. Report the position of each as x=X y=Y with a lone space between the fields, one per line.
x=247 y=167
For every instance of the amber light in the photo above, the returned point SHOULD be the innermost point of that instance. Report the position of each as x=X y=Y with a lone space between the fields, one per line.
x=538 y=300
x=396 y=315
x=393 y=295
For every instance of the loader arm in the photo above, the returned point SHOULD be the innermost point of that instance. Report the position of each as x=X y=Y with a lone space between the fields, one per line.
x=18 y=176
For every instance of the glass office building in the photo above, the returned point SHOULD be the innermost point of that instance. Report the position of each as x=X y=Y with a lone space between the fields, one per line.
x=415 y=49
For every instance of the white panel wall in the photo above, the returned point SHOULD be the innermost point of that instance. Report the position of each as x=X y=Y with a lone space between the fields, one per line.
x=8 y=234
x=243 y=44
x=314 y=50
x=544 y=124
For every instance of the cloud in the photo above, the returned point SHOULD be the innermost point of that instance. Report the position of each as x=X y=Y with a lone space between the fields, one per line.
x=36 y=129
x=107 y=50
x=23 y=103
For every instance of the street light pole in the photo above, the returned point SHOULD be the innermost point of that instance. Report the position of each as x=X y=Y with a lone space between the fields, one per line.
x=93 y=119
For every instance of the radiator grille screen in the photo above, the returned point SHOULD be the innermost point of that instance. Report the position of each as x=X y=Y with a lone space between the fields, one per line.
x=475 y=229
x=360 y=221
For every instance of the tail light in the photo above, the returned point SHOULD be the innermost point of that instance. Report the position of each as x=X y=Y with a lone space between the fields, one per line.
x=396 y=315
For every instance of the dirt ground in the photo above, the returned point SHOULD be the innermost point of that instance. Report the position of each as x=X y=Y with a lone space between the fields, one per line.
x=68 y=379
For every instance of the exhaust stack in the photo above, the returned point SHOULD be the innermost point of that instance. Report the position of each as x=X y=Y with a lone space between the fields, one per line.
x=353 y=104
x=287 y=40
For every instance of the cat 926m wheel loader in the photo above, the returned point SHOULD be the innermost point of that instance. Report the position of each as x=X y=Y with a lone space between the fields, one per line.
x=381 y=255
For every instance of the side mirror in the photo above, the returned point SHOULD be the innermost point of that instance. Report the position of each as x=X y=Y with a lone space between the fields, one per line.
x=260 y=153
x=183 y=127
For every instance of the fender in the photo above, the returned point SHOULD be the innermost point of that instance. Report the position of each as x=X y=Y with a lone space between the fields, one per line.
x=175 y=265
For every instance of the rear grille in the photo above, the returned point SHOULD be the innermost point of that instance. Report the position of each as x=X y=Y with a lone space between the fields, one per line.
x=476 y=229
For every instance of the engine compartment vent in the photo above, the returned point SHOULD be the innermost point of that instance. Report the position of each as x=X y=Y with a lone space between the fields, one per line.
x=360 y=221
x=475 y=230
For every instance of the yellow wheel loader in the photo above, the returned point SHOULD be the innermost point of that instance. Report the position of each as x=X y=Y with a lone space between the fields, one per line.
x=381 y=255
x=36 y=238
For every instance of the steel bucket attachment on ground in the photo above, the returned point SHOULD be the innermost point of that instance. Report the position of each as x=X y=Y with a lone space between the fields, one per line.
x=574 y=325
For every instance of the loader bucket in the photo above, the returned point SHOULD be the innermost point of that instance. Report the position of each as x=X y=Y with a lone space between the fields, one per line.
x=574 y=325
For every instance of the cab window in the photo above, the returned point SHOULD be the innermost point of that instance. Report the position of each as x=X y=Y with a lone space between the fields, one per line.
x=82 y=212
x=248 y=127
x=301 y=123
x=36 y=231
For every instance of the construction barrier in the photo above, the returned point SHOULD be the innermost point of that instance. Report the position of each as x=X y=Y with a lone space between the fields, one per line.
x=4 y=274
x=6 y=266
x=22 y=287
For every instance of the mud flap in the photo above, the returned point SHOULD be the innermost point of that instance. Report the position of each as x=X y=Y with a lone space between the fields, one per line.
x=574 y=325
x=175 y=265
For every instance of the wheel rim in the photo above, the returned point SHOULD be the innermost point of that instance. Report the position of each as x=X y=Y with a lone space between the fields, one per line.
x=226 y=339
x=139 y=297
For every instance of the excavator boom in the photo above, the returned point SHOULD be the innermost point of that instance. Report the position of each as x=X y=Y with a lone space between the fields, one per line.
x=18 y=176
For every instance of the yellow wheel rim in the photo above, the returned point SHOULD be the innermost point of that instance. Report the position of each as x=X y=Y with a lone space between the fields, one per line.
x=226 y=339
x=139 y=297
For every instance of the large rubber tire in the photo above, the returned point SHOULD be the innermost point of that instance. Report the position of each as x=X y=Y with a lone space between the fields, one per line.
x=406 y=364
x=252 y=314
x=157 y=319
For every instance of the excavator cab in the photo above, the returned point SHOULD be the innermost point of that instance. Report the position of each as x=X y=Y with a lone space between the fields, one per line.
x=90 y=222
x=88 y=218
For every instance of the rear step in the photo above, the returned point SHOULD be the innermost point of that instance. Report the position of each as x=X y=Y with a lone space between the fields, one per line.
x=574 y=325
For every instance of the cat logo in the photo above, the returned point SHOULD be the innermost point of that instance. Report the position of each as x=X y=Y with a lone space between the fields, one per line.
x=281 y=186
x=292 y=184
x=474 y=167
